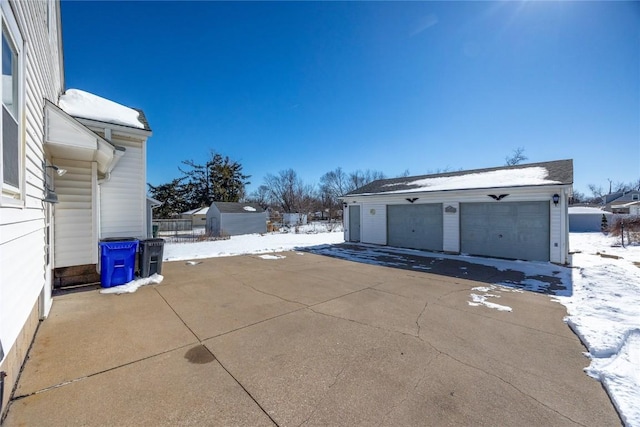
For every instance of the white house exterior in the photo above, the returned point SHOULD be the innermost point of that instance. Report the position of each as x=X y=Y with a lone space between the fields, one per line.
x=50 y=222
x=517 y=212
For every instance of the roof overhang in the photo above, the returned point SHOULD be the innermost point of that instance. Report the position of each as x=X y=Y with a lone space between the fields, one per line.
x=437 y=193
x=127 y=130
x=66 y=138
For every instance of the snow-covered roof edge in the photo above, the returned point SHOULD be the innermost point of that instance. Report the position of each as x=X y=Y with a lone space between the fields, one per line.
x=85 y=105
x=558 y=172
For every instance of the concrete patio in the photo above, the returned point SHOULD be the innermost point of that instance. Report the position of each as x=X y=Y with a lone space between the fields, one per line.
x=305 y=340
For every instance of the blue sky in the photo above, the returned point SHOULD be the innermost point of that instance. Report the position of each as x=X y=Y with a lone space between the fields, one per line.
x=388 y=86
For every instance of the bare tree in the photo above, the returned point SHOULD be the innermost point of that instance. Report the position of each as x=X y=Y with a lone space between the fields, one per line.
x=596 y=193
x=359 y=178
x=333 y=184
x=260 y=196
x=516 y=158
x=289 y=192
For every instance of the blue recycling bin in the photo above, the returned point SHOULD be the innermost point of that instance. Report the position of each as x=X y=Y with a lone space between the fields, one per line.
x=117 y=261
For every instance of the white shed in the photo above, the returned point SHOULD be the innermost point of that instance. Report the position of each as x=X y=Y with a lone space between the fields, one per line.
x=232 y=219
x=515 y=212
x=198 y=217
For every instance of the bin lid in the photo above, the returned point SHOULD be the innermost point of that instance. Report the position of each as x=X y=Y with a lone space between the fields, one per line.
x=156 y=241
x=118 y=239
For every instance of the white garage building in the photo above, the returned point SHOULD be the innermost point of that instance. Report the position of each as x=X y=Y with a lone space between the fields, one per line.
x=513 y=212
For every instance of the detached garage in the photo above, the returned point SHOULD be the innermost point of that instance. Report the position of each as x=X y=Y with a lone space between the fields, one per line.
x=513 y=212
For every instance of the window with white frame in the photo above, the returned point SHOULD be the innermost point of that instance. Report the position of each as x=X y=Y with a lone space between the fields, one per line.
x=10 y=139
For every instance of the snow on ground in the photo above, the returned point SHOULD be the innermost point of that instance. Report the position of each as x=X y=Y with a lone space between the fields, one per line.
x=601 y=292
x=311 y=235
x=604 y=311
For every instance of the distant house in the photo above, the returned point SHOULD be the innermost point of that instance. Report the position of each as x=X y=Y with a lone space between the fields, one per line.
x=515 y=212
x=73 y=171
x=198 y=217
x=622 y=202
x=232 y=219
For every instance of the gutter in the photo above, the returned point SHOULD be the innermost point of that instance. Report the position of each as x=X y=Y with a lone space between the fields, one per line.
x=118 y=152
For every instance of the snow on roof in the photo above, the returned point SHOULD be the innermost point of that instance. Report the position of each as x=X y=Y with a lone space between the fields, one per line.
x=249 y=208
x=535 y=175
x=197 y=211
x=586 y=210
x=78 y=103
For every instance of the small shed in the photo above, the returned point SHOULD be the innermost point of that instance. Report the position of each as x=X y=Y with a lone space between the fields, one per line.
x=198 y=217
x=233 y=219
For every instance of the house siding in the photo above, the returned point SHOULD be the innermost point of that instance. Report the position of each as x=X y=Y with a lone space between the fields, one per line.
x=122 y=197
x=74 y=214
x=23 y=275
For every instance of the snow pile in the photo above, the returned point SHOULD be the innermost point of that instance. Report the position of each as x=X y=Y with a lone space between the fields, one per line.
x=79 y=103
x=478 y=300
x=131 y=287
x=604 y=311
x=535 y=175
x=272 y=256
x=249 y=208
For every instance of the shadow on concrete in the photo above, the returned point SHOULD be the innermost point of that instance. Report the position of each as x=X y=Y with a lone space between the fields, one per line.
x=540 y=277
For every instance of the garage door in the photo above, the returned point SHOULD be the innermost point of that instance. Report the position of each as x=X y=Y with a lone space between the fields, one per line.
x=415 y=226
x=516 y=230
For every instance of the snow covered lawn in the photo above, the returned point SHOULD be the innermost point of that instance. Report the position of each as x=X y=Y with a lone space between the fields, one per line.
x=602 y=297
x=604 y=311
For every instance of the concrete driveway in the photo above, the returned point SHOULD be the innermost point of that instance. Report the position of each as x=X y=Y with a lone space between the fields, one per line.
x=306 y=340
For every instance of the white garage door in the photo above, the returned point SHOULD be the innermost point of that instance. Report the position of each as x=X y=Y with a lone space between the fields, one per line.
x=515 y=230
x=415 y=226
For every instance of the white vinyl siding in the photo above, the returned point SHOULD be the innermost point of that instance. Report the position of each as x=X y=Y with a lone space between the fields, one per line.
x=122 y=197
x=22 y=226
x=374 y=224
x=74 y=214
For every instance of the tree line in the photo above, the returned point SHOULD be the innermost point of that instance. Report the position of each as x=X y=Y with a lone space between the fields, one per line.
x=221 y=179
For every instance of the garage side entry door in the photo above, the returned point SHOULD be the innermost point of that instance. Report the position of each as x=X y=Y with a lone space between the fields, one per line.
x=415 y=226
x=516 y=230
x=354 y=223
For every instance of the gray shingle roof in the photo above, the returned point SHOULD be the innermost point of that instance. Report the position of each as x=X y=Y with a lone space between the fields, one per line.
x=231 y=207
x=559 y=171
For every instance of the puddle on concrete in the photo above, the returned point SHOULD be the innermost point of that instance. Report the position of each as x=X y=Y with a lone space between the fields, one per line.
x=199 y=355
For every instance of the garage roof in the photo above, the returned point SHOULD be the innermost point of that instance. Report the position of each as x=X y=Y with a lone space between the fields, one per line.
x=559 y=172
x=230 y=207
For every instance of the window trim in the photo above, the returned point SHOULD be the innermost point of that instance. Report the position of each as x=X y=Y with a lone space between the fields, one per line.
x=10 y=195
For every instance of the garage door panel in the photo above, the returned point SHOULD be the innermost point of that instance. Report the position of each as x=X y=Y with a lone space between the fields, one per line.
x=516 y=230
x=415 y=226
